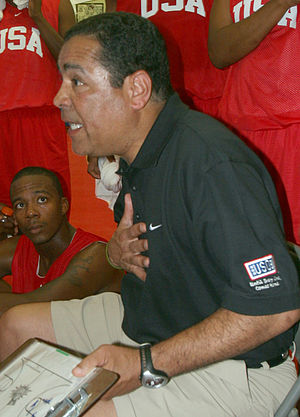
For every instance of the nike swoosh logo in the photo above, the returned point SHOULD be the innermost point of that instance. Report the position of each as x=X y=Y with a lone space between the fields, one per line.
x=151 y=227
x=18 y=14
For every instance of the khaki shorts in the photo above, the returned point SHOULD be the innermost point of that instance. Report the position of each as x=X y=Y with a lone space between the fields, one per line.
x=219 y=390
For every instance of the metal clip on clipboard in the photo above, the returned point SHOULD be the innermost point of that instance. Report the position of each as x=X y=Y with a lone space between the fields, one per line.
x=82 y=397
x=70 y=406
x=43 y=370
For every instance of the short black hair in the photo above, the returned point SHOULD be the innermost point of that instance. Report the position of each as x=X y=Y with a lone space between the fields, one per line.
x=128 y=43
x=34 y=170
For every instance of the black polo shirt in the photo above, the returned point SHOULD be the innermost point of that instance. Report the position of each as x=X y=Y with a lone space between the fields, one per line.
x=214 y=230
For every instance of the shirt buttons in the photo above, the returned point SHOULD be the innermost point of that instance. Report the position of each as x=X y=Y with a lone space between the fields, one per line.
x=137 y=216
x=134 y=188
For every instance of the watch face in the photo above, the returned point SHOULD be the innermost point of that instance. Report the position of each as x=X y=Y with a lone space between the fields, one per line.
x=150 y=377
x=150 y=380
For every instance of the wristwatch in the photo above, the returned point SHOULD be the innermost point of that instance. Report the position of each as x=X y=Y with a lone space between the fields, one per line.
x=150 y=377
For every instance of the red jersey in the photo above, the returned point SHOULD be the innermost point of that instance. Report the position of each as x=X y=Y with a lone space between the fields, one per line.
x=25 y=264
x=29 y=73
x=184 y=26
x=262 y=90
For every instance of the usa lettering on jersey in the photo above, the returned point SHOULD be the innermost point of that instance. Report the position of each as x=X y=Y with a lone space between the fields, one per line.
x=15 y=39
x=149 y=8
x=245 y=8
x=261 y=267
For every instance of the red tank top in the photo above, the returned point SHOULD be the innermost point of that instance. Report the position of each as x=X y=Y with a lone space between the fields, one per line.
x=29 y=75
x=184 y=26
x=25 y=262
x=262 y=90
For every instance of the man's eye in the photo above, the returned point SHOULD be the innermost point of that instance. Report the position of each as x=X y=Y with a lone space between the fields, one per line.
x=19 y=206
x=42 y=199
x=76 y=82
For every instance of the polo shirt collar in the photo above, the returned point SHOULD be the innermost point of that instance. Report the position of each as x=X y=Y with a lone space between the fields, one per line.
x=158 y=137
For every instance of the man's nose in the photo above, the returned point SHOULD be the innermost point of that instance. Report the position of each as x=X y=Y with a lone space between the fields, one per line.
x=31 y=210
x=61 y=99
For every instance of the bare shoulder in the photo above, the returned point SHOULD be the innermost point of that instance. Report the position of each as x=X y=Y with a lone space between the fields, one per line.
x=91 y=257
x=90 y=270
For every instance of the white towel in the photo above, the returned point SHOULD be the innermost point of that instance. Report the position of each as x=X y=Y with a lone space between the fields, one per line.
x=2 y=7
x=21 y=4
x=109 y=186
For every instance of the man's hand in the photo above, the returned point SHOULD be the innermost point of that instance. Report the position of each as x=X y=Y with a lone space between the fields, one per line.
x=92 y=167
x=34 y=8
x=7 y=224
x=125 y=247
x=7 y=227
x=124 y=361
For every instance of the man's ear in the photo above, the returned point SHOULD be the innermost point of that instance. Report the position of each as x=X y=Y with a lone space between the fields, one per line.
x=139 y=89
x=64 y=205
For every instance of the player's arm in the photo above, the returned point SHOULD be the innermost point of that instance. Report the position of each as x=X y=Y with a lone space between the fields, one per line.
x=228 y=42
x=66 y=19
x=7 y=250
x=87 y=274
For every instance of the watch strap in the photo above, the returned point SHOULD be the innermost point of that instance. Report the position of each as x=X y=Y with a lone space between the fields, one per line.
x=148 y=371
x=146 y=360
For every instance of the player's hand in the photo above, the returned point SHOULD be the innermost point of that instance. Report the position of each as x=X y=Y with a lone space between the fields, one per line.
x=34 y=8
x=124 y=361
x=92 y=167
x=125 y=247
x=7 y=223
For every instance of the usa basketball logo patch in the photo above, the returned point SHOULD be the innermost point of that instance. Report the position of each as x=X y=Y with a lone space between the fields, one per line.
x=261 y=267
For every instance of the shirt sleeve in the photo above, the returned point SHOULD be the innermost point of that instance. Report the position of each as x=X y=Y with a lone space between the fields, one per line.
x=244 y=242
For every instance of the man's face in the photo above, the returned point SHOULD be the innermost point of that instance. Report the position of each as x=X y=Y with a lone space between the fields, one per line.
x=97 y=114
x=38 y=208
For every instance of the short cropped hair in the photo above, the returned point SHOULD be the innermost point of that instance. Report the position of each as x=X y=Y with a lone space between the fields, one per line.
x=128 y=43
x=40 y=171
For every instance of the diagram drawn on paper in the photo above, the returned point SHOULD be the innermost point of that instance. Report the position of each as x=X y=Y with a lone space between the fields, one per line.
x=36 y=380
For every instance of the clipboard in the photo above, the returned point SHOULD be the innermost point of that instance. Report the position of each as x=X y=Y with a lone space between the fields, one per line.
x=37 y=380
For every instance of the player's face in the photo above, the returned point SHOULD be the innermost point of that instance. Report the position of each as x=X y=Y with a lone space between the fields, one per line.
x=98 y=115
x=38 y=208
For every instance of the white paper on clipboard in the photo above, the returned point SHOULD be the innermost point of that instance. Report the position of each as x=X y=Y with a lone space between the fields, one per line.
x=37 y=381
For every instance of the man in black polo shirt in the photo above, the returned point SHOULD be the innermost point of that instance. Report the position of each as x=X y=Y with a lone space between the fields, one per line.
x=210 y=283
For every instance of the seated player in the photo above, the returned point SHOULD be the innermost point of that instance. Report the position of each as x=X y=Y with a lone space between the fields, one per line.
x=49 y=247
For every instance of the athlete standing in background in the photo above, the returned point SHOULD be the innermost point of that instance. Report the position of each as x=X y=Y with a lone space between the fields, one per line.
x=261 y=98
x=32 y=132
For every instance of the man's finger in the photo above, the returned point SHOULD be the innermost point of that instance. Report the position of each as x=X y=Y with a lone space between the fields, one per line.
x=134 y=231
x=138 y=246
x=139 y=272
x=127 y=218
x=86 y=365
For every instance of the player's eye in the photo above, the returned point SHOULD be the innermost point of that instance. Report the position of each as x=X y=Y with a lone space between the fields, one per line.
x=18 y=206
x=42 y=199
